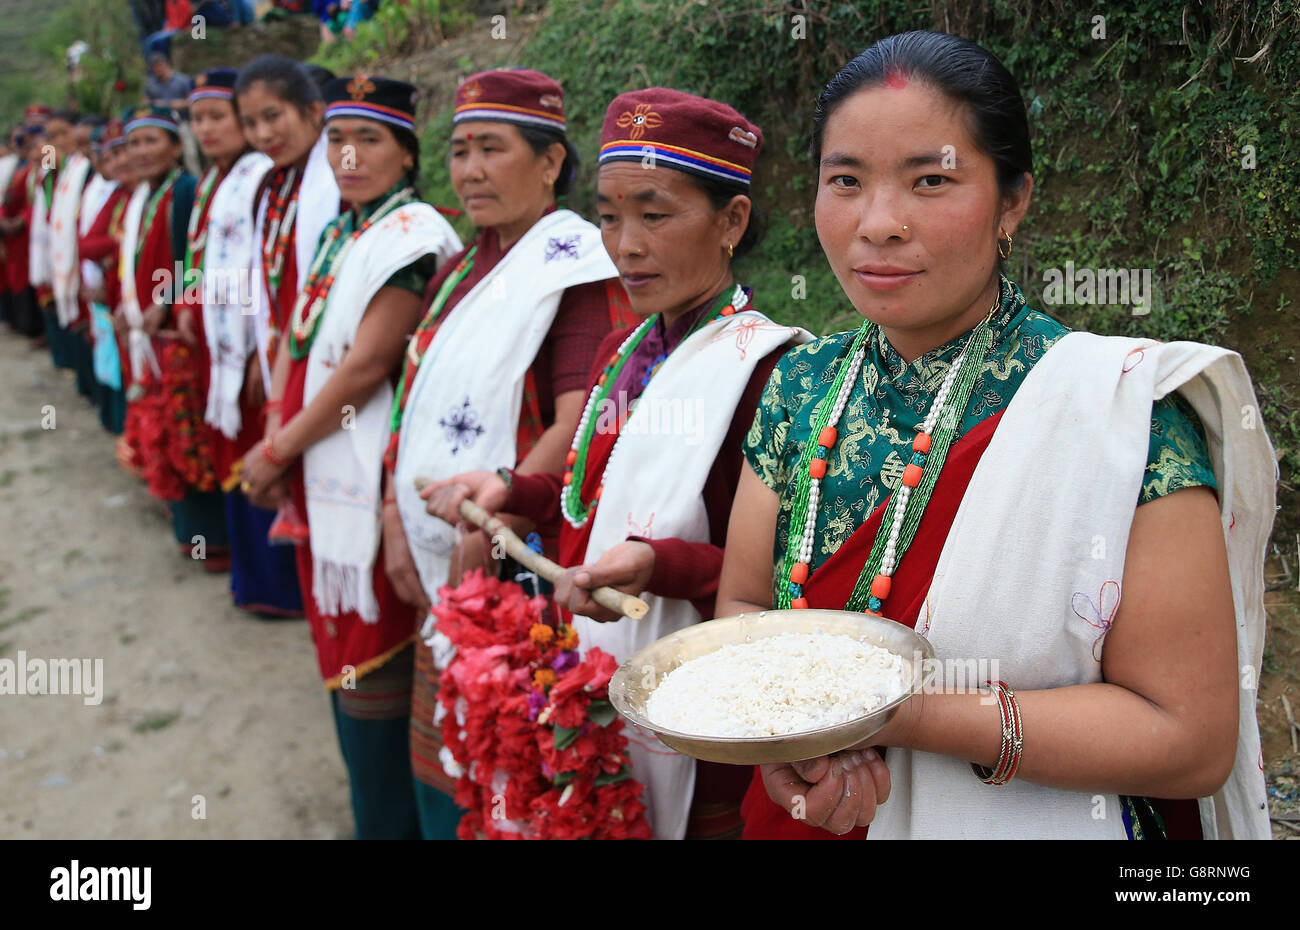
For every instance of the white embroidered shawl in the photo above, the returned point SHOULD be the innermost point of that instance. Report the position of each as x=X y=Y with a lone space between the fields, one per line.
x=1063 y=468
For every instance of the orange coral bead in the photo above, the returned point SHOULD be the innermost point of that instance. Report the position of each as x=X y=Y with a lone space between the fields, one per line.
x=817 y=468
x=728 y=310
x=827 y=437
x=921 y=443
x=613 y=359
x=799 y=603
x=598 y=493
x=601 y=380
x=880 y=586
x=568 y=477
x=874 y=613
x=571 y=457
x=799 y=573
x=912 y=475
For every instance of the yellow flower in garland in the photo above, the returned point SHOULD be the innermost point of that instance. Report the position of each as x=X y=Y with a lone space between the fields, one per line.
x=568 y=638
x=541 y=635
x=543 y=678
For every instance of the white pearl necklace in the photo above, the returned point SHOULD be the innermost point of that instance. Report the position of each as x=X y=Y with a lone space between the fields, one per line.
x=739 y=300
x=889 y=561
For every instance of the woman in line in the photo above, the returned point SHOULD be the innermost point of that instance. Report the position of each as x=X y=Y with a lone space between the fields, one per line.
x=56 y=146
x=16 y=222
x=14 y=237
x=153 y=242
x=642 y=505
x=188 y=439
x=517 y=316
x=223 y=254
x=328 y=430
x=281 y=111
x=70 y=308
x=1075 y=474
x=99 y=247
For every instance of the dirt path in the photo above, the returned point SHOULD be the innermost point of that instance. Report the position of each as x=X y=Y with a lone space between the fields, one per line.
x=197 y=697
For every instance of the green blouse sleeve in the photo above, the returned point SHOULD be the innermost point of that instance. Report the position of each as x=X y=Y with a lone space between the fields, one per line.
x=415 y=276
x=1177 y=456
x=765 y=442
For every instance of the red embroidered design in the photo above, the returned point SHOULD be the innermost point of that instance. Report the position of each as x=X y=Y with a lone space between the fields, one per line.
x=1096 y=614
x=744 y=331
x=359 y=86
x=640 y=119
x=635 y=529
x=923 y=621
x=400 y=218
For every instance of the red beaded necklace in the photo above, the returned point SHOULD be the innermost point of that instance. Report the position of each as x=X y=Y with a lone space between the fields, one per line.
x=281 y=211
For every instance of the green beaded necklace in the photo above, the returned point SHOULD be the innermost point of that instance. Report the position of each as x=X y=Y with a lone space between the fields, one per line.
x=907 y=504
x=575 y=470
x=152 y=207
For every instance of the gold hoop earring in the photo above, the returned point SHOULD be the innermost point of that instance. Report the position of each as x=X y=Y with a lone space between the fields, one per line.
x=1008 y=252
x=731 y=251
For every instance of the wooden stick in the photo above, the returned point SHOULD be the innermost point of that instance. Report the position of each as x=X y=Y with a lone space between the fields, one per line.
x=631 y=607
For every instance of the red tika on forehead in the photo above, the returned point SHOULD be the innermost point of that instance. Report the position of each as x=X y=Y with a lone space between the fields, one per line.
x=895 y=78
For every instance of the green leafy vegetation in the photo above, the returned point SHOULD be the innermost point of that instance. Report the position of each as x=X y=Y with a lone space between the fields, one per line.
x=395 y=29
x=1163 y=141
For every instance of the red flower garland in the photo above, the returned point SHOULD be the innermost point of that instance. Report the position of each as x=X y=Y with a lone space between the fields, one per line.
x=528 y=727
x=166 y=437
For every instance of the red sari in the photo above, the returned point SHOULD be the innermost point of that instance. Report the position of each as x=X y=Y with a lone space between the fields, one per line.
x=138 y=450
x=345 y=639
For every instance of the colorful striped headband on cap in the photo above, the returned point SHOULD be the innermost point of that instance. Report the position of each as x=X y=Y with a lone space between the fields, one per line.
x=111 y=135
x=369 y=97
x=511 y=95
x=159 y=117
x=692 y=134
x=215 y=84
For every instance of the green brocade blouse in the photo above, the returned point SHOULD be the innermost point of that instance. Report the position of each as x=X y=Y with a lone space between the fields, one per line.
x=889 y=403
x=412 y=278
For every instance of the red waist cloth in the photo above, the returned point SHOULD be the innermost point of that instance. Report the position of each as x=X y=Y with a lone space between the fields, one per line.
x=345 y=639
x=830 y=586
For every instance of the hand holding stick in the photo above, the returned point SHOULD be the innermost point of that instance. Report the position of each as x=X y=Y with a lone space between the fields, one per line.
x=629 y=606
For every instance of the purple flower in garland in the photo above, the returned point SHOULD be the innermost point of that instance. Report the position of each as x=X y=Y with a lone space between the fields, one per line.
x=536 y=701
x=564 y=661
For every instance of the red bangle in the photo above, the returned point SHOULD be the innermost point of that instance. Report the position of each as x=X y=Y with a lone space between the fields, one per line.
x=1012 y=738
x=268 y=453
x=272 y=406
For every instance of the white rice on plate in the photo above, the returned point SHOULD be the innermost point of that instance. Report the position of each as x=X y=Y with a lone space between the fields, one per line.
x=776 y=686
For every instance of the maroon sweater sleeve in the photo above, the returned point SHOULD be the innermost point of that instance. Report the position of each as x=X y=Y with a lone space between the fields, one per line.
x=690 y=570
x=537 y=496
x=98 y=243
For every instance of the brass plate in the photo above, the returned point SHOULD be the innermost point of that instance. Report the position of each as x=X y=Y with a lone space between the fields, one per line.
x=636 y=678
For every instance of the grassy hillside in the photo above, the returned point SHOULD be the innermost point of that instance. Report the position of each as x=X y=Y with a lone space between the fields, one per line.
x=1163 y=134
x=1163 y=140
